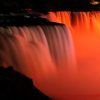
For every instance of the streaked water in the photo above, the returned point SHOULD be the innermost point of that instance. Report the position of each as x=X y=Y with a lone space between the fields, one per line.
x=85 y=30
x=44 y=53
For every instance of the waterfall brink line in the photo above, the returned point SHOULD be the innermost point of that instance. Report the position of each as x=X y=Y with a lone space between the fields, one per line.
x=78 y=22
x=41 y=52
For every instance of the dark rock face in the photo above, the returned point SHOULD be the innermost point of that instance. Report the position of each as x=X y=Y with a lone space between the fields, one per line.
x=15 y=86
x=24 y=21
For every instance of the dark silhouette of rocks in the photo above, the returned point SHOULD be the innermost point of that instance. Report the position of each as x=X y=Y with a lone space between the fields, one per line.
x=15 y=86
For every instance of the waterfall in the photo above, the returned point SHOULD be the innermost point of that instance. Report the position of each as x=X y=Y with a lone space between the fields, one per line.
x=85 y=31
x=78 y=22
x=47 y=53
x=43 y=52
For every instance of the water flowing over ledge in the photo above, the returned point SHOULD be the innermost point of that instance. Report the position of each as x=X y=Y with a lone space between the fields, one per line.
x=63 y=61
x=85 y=31
x=42 y=52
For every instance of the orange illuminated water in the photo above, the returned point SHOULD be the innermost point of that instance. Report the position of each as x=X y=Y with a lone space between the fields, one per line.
x=64 y=65
x=44 y=53
x=85 y=29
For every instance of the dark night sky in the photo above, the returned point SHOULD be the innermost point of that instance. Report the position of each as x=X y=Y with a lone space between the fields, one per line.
x=45 y=5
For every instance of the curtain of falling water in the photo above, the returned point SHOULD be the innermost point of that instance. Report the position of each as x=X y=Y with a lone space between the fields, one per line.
x=79 y=22
x=85 y=29
x=44 y=53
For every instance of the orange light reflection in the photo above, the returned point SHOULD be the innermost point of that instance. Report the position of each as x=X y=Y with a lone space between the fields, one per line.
x=85 y=28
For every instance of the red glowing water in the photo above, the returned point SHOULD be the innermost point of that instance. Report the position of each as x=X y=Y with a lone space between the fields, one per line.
x=44 y=53
x=85 y=28
x=47 y=55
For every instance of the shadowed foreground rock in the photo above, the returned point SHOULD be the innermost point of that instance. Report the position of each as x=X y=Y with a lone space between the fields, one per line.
x=16 y=86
